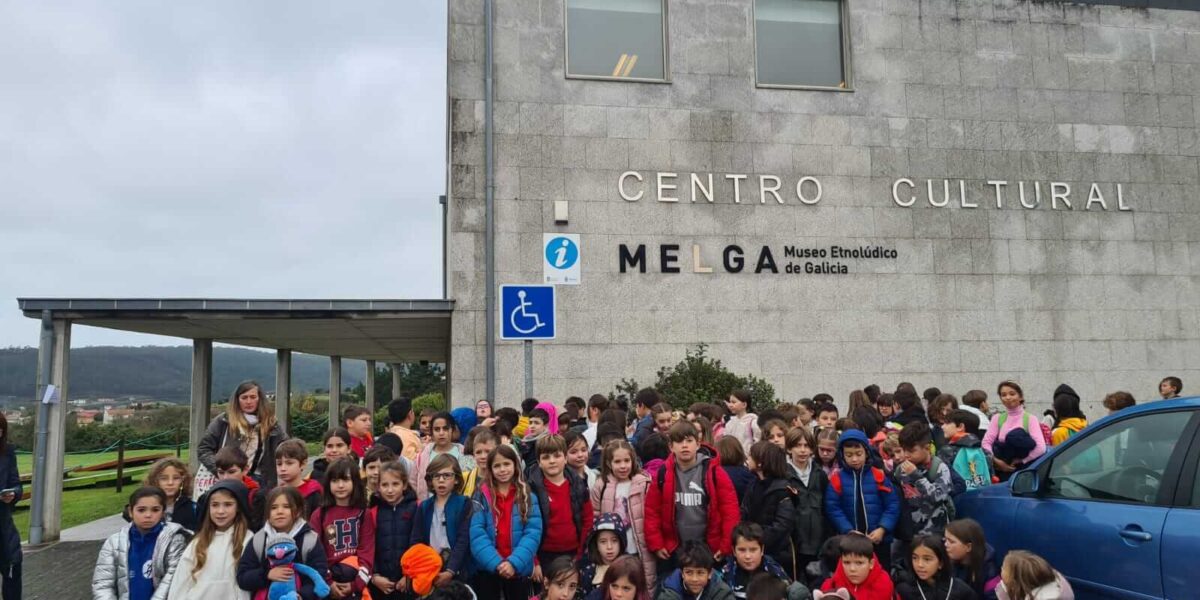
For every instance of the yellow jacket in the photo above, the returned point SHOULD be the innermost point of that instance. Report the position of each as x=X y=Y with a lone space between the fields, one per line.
x=1066 y=428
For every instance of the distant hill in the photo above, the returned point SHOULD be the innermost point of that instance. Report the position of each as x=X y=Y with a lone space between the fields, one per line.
x=165 y=372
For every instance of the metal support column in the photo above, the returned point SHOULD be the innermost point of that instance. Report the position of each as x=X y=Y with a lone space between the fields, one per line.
x=396 y=391
x=45 y=355
x=201 y=397
x=335 y=391
x=369 y=389
x=283 y=389
x=56 y=443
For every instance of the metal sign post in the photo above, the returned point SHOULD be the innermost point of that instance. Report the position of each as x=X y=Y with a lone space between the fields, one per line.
x=528 y=368
x=528 y=313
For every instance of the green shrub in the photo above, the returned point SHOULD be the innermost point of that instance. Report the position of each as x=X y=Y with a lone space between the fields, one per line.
x=701 y=378
x=433 y=401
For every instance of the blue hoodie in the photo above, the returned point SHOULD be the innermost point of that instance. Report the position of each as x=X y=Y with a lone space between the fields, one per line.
x=862 y=500
x=141 y=558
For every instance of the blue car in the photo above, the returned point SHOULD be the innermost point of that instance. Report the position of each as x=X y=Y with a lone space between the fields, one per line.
x=1116 y=508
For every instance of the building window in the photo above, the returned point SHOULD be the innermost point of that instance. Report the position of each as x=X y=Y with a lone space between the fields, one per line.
x=617 y=39
x=800 y=43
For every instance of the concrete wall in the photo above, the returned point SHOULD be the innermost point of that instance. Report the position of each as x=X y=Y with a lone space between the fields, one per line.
x=943 y=89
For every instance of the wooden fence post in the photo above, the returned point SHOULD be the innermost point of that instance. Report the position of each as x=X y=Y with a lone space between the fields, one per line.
x=120 y=465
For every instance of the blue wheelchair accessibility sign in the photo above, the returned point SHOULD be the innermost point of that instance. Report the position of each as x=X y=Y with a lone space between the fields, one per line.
x=527 y=312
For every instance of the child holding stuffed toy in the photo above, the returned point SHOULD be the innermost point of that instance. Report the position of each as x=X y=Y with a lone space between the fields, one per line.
x=347 y=528
x=139 y=562
x=259 y=570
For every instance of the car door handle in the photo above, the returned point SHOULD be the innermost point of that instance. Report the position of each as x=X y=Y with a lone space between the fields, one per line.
x=1136 y=535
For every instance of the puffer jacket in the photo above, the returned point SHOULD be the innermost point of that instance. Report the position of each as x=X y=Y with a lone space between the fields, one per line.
x=723 y=511
x=861 y=500
x=421 y=464
x=110 y=580
x=811 y=529
x=672 y=588
x=771 y=504
x=604 y=500
x=217 y=437
x=944 y=587
x=580 y=496
x=394 y=527
x=458 y=530
x=526 y=535
x=795 y=589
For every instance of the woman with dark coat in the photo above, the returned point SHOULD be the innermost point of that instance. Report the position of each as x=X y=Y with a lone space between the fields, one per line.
x=248 y=423
x=10 y=538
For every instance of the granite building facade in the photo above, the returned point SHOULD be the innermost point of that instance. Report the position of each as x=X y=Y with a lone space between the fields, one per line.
x=950 y=192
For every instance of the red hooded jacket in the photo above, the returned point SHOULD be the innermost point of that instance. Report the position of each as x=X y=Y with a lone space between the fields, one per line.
x=878 y=585
x=723 y=511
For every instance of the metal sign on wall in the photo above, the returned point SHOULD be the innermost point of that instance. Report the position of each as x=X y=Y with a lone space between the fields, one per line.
x=560 y=258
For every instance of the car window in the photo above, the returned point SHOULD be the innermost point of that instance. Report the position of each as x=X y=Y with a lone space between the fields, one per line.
x=1124 y=462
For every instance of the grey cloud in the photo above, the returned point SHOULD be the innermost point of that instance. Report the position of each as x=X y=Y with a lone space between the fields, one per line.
x=257 y=149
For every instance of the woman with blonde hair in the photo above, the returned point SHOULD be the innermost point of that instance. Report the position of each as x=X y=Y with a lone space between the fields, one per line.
x=249 y=424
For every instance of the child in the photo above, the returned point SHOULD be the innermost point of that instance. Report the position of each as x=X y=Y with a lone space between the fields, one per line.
x=929 y=573
x=771 y=504
x=347 y=529
x=972 y=558
x=690 y=499
x=171 y=476
x=827 y=452
x=1070 y=419
x=607 y=542
x=742 y=424
x=358 y=423
x=443 y=521
x=748 y=560
x=425 y=424
x=561 y=581
x=654 y=452
x=335 y=444
x=400 y=418
x=807 y=410
x=1027 y=576
x=663 y=417
x=886 y=405
x=208 y=567
x=564 y=501
x=860 y=497
x=480 y=443
x=961 y=429
x=577 y=456
x=506 y=529
x=695 y=579
x=231 y=465
x=925 y=482
x=765 y=587
x=827 y=415
x=290 y=458
x=139 y=562
x=442 y=429
x=395 y=514
x=622 y=490
x=375 y=457
x=643 y=406
x=810 y=483
x=1009 y=455
x=891 y=452
x=536 y=430
x=284 y=520
x=624 y=580
x=775 y=431
x=733 y=462
x=858 y=572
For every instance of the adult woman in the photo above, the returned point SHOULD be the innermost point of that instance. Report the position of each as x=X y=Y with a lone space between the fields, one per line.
x=248 y=424
x=1010 y=451
x=10 y=538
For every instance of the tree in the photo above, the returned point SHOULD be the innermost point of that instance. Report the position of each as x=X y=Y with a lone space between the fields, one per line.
x=416 y=379
x=700 y=378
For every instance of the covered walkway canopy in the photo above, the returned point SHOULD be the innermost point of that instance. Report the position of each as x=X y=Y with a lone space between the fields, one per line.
x=388 y=331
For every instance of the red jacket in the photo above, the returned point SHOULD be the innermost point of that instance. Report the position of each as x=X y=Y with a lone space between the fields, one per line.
x=878 y=585
x=723 y=512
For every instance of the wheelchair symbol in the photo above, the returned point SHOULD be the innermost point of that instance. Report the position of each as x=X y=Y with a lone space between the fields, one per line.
x=522 y=311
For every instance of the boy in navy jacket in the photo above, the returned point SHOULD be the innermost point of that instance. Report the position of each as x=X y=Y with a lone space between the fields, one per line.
x=861 y=498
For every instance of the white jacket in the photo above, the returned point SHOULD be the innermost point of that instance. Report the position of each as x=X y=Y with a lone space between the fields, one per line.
x=110 y=580
x=1059 y=589
x=745 y=429
x=218 y=577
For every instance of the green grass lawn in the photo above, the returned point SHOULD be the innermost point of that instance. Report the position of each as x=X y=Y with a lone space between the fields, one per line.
x=79 y=507
x=25 y=461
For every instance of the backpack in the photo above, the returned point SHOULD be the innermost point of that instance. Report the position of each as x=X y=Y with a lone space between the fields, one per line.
x=1047 y=434
x=973 y=465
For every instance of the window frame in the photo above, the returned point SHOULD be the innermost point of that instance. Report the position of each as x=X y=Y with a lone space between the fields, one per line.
x=666 y=50
x=847 y=67
x=1167 y=496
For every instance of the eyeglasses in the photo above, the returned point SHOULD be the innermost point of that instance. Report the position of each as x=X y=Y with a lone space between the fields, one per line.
x=441 y=476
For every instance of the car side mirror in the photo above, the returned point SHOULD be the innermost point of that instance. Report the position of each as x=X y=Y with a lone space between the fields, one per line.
x=1025 y=483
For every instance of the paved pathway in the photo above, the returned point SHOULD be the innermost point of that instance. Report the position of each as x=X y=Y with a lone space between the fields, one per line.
x=63 y=571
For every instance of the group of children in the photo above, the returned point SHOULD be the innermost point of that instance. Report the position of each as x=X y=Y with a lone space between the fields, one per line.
x=565 y=506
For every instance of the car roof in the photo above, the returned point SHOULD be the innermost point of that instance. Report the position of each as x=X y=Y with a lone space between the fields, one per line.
x=1154 y=406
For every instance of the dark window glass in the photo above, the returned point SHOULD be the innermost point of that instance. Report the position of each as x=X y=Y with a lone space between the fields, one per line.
x=616 y=38
x=799 y=43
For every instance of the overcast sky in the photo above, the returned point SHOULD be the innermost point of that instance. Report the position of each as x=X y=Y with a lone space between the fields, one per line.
x=218 y=149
